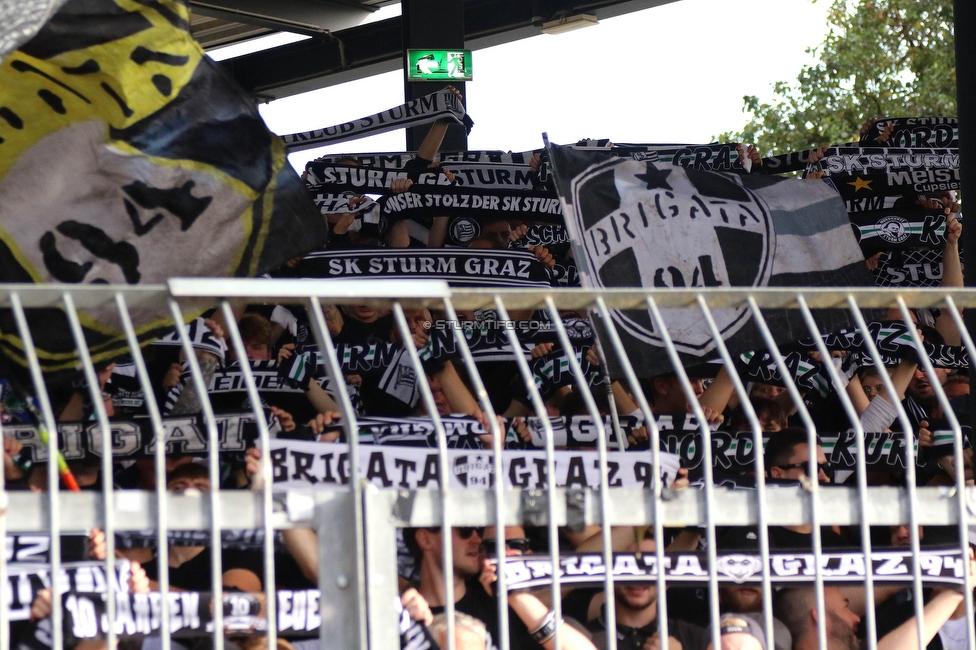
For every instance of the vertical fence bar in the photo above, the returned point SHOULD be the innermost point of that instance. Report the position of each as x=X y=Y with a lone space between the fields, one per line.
x=813 y=470
x=540 y=409
x=950 y=416
x=654 y=435
x=267 y=504
x=54 y=504
x=762 y=507
x=323 y=338
x=159 y=435
x=967 y=342
x=108 y=483
x=498 y=440
x=860 y=469
x=213 y=465
x=443 y=467
x=909 y=454
x=707 y=465
x=610 y=614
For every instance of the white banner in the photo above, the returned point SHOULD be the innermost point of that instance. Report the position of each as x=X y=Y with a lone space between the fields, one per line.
x=298 y=464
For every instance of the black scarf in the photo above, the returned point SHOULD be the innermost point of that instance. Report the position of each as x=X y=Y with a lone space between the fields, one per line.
x=899 y=229
x=857 y=172
x=457 y=266
x=480 y=204
x=334 y=177
x=938 y=132
x=423 y=110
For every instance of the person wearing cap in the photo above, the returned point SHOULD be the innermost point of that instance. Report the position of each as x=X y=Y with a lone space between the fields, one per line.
x=740 y=632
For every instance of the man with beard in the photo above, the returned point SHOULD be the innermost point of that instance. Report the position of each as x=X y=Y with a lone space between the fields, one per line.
x=636 y=613
x=749 y=600
x=797 y=608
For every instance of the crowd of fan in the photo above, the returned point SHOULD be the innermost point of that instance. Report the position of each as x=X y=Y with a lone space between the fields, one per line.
x=273 y=334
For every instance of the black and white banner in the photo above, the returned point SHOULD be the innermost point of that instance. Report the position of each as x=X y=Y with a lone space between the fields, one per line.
x=795 y=161
x=335 y=177
x=239 y=540
x=463 y=431
x=734 y=451
x=899 y=229
x=913 y=268
x=645 y=225
x=479 y=204
x=458 y=267
x=329 y=202
x=856 y=172
x=326 y=466
x=544 y=235
x=24 y=582
x=201 y=338
x=894 y=342
x=946 y=566
x=703 y=157
x=398 y=160
x=805 y=373
x=191 y=614
x=914 y=132
x=423 y=110
x=552 y=371
x=135 y=439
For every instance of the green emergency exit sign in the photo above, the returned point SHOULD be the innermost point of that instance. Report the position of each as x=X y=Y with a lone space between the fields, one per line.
x=439 y=65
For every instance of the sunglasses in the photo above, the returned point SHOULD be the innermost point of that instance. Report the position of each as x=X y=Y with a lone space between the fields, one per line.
x=826 y=468
x=519 y=544
x=464 y=532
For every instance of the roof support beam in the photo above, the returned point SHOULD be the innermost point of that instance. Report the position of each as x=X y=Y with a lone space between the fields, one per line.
x=358 y=52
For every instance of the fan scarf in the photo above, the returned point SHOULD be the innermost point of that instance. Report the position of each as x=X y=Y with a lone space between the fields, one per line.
x=423 y=110
x=135 y=439
x=914 y=132
x=896 y=565
x=319 y=465
x=856 y=172
x=481 y=204
x=913 y=268
x=899 y=229
x=336 y=178
x=457 y=266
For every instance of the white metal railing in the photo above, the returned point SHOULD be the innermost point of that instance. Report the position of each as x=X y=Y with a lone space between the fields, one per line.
x=361 y=610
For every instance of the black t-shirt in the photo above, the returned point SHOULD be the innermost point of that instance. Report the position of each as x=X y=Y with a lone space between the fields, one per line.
x=633 y=638
x=194 y=574
x=477 y=603
x=899 y=608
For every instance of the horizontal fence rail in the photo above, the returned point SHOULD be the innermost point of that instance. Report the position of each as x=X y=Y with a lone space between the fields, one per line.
x=361 y=505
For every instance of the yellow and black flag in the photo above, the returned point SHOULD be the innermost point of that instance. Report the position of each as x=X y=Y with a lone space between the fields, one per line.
x=126 y=157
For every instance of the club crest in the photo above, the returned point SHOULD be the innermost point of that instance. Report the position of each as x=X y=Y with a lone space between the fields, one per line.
x=659 y=226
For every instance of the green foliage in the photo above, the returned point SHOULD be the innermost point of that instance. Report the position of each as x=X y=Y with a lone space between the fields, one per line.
x=881 y=58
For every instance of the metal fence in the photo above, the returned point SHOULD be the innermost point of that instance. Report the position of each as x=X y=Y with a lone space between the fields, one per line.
x=356 y=528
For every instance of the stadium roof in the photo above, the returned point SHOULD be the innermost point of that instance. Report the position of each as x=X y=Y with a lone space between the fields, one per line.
x=342 y=48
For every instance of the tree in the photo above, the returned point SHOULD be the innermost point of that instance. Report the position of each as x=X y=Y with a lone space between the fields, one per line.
x=881 y=58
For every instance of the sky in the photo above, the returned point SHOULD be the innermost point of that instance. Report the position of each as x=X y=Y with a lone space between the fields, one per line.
x=675 y=73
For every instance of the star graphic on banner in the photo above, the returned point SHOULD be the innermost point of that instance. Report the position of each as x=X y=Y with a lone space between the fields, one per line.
x=655 y=179
x=861 y=184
